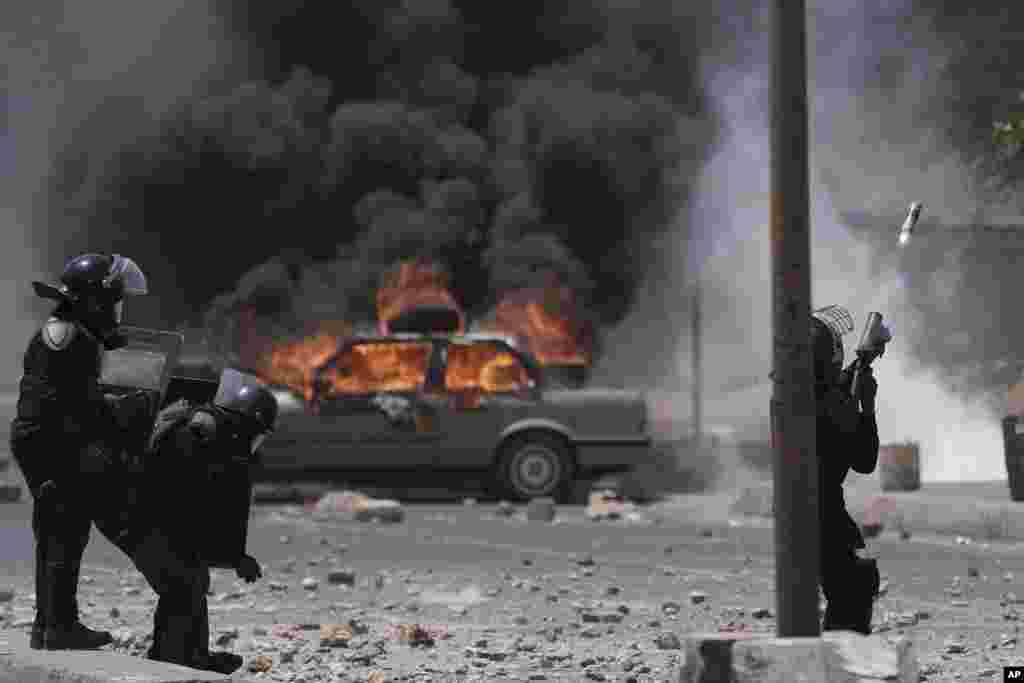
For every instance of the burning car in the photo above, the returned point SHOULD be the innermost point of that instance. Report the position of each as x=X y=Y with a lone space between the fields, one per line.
x=454 y=402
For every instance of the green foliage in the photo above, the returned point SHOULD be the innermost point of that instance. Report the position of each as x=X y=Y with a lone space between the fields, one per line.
x=1008 y=134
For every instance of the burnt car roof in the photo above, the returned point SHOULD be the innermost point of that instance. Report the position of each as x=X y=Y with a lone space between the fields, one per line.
x=469 y=337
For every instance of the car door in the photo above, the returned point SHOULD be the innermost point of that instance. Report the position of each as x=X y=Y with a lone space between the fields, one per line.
x=367 y=401
x=486 y=387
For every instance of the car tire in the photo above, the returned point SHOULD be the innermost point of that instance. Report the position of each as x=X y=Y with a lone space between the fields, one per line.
x=535 y=465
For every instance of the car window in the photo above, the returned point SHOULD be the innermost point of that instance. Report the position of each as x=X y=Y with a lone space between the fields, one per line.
x=373 y=368
x=484 y=367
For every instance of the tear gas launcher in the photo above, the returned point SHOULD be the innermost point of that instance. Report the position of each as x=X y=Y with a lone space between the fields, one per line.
x=872 y=345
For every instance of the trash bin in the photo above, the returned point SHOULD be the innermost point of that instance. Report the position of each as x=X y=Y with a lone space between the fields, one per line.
x=1013 y=441
x=229 y=498
x=899 y=466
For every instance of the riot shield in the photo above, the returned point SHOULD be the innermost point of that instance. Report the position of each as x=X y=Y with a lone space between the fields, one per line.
x=144 y=363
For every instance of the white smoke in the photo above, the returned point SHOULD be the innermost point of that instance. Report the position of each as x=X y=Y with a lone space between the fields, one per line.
x=866 y=144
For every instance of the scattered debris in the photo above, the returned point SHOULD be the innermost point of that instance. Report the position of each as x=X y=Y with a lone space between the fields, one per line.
x=342 y=577
x=671 y=607
x=417 y=635
x=668 y=641
x=335 y=635
x=10 y=493
x=607 y=504
x=541 y=510
x=260 y=664
x=286 y=631
x=505 y=509
x=354 y=506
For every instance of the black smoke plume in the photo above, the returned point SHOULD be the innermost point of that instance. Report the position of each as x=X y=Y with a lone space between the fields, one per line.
x=283 y=154
x=530 y=138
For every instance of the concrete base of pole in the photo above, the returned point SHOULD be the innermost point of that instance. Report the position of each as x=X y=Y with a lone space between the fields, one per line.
x=836 y=657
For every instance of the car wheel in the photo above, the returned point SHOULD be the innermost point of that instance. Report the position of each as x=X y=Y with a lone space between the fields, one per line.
x=535 y=465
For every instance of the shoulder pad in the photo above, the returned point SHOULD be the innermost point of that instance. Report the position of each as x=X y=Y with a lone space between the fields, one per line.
x=57 y=334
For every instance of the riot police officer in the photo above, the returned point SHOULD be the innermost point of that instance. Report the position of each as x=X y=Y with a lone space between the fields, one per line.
x=847 y=438
x=61 y=410
x=204 y=450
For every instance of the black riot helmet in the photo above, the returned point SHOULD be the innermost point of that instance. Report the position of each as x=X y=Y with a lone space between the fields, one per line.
x=828 y=326
x=92 y=289
x=252 y=407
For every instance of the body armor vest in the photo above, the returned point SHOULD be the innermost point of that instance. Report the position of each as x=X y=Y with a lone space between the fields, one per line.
x=60 y=383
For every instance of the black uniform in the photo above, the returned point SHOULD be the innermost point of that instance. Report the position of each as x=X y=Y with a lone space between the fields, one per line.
x=60 y=411
x=847 y=438
x=849 y=581
x=162 y=532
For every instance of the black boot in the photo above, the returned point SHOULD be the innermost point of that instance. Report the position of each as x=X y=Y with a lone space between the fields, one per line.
x=75 y=637
x=225 y=663
x=35 y=640
x=62 y=630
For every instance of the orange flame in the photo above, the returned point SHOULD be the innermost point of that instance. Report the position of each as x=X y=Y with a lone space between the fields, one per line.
x=291 y=364
x=379 y=367
x=545 y=320
x=413 y=283
x=483 y=367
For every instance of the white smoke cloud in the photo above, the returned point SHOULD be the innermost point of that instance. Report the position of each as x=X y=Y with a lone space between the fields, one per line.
x=866 y=144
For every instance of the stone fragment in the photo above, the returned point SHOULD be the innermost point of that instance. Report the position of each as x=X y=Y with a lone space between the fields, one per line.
x=10 y=493
x=342 y=577
x=226 y=637
x=541 y=510
x=335 y=635
x=261 y=664
x=668 y=641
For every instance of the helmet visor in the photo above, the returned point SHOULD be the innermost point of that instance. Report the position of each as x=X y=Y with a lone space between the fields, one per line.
x=129 y=274
x=231 y=383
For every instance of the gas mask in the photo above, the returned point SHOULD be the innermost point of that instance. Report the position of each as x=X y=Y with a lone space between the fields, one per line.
x=222 y=429
x=102 y=318
x=828 y=326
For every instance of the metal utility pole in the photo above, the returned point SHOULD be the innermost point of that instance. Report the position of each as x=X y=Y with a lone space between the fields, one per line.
x=697 y=387
x=797 y=533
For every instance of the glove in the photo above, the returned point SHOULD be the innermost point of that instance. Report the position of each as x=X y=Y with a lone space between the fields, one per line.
x=867 y=390
x=248 y=569
x=142 y=401
x=132 y=411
